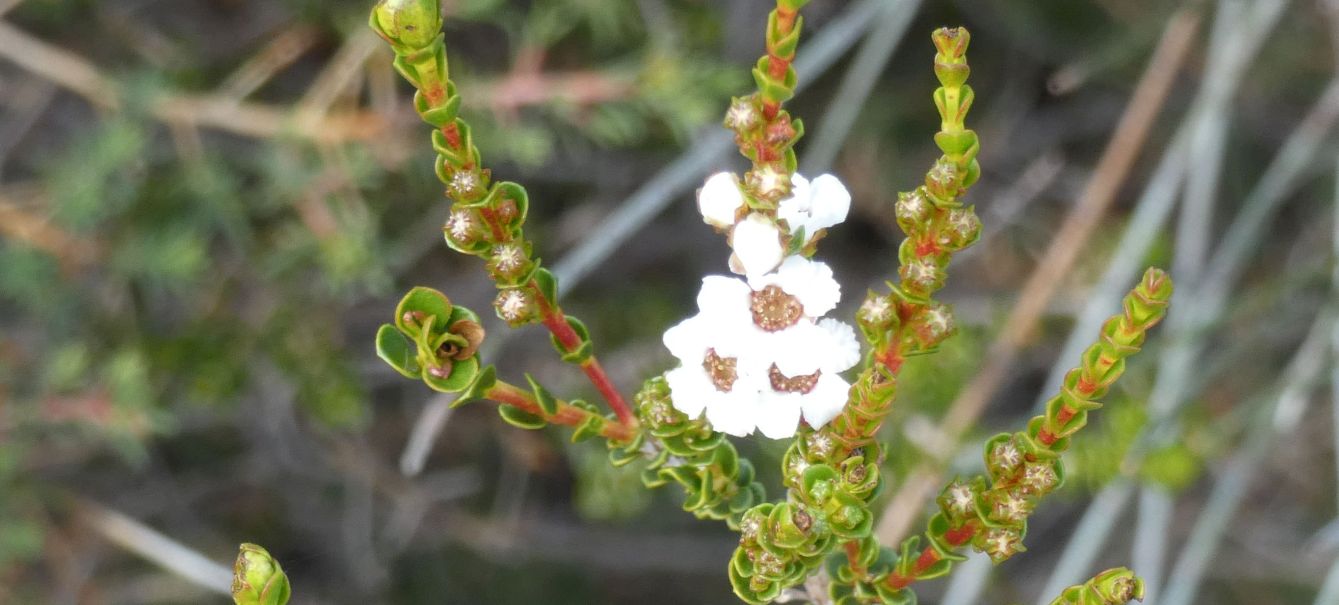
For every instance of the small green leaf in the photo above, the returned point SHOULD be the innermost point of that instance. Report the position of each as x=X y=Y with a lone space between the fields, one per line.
x=548 y=284
x=546 y=400
x=395 y=350
x=463 y=374
x=427 y=301
x=520 y=418
x=483 y=381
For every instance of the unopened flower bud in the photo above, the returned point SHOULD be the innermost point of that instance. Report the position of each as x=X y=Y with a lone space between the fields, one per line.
x=877 y=313
x=257 y=578
x=465 y=185
x=913 y=211
x=1119 y=585
x=962 y=228
x=934 y=324
x=463 y=228
x=768 y=183
x=411 y=23
x=1000 y=543
x=514 y=306
x=921 y=273
x=1004 y=459
x=510 y=261
x=943 y=180
x=743 y=115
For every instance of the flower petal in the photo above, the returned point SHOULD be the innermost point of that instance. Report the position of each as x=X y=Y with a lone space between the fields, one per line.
x=778 y=415
x=689 y=389
x=826 y=401
x=811 y=282
x=843 y=348
x=830 y=204
x=795 y=209
x=734 y=414
x=687 y=340
x=797 y=351
x=720 y=199
x=725 y=298
x=757 y=243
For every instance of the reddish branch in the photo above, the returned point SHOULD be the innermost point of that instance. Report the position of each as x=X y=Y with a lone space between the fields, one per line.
x=566 y=415
x=930 y=556
x=556 y=322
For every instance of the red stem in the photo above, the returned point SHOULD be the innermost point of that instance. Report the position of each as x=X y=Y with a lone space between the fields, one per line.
x=556 y=322
x=567 y=415
x=929 y=556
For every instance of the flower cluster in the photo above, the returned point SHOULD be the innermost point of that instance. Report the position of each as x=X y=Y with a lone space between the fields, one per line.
x=760 y=354
x=991 y=512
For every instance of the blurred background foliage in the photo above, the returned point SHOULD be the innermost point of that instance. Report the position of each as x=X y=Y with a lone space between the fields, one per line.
x=208 y=206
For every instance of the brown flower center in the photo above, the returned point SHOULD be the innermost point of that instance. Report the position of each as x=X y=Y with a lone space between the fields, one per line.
x=800 y=384
x=721 y=370
x=775 y=310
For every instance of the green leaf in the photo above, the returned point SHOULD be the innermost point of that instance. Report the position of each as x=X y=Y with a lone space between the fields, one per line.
x=548 y=284
x=395 y=350
x=546 y=400
x=463 y=373
x=483 y=381
x=588 y=429
x=427 y=301
x=520 y=418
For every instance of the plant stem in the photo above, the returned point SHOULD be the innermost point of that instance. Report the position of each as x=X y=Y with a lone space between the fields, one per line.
x=554 y=319
x=567 y=414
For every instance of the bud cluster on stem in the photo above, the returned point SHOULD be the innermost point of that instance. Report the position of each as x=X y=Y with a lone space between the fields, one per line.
x=486 y=218
x=990 y=512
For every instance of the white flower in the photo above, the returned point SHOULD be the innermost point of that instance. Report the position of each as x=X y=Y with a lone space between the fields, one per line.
x=712 y=376
x=809 y=281
x=805 y=375
x=759 y=355
x=757 y=244
x=720 y=199
x=815 y=205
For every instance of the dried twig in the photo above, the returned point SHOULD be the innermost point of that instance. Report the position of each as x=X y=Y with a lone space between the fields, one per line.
x=277 y=54
x=257 y=120
x=24 y=226
x=173 y=556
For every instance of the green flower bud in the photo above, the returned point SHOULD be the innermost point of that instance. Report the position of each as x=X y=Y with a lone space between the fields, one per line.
x=411 y=23
x=257 y=578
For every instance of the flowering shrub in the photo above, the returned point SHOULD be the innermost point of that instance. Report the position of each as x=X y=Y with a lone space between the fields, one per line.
x=761 y=354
